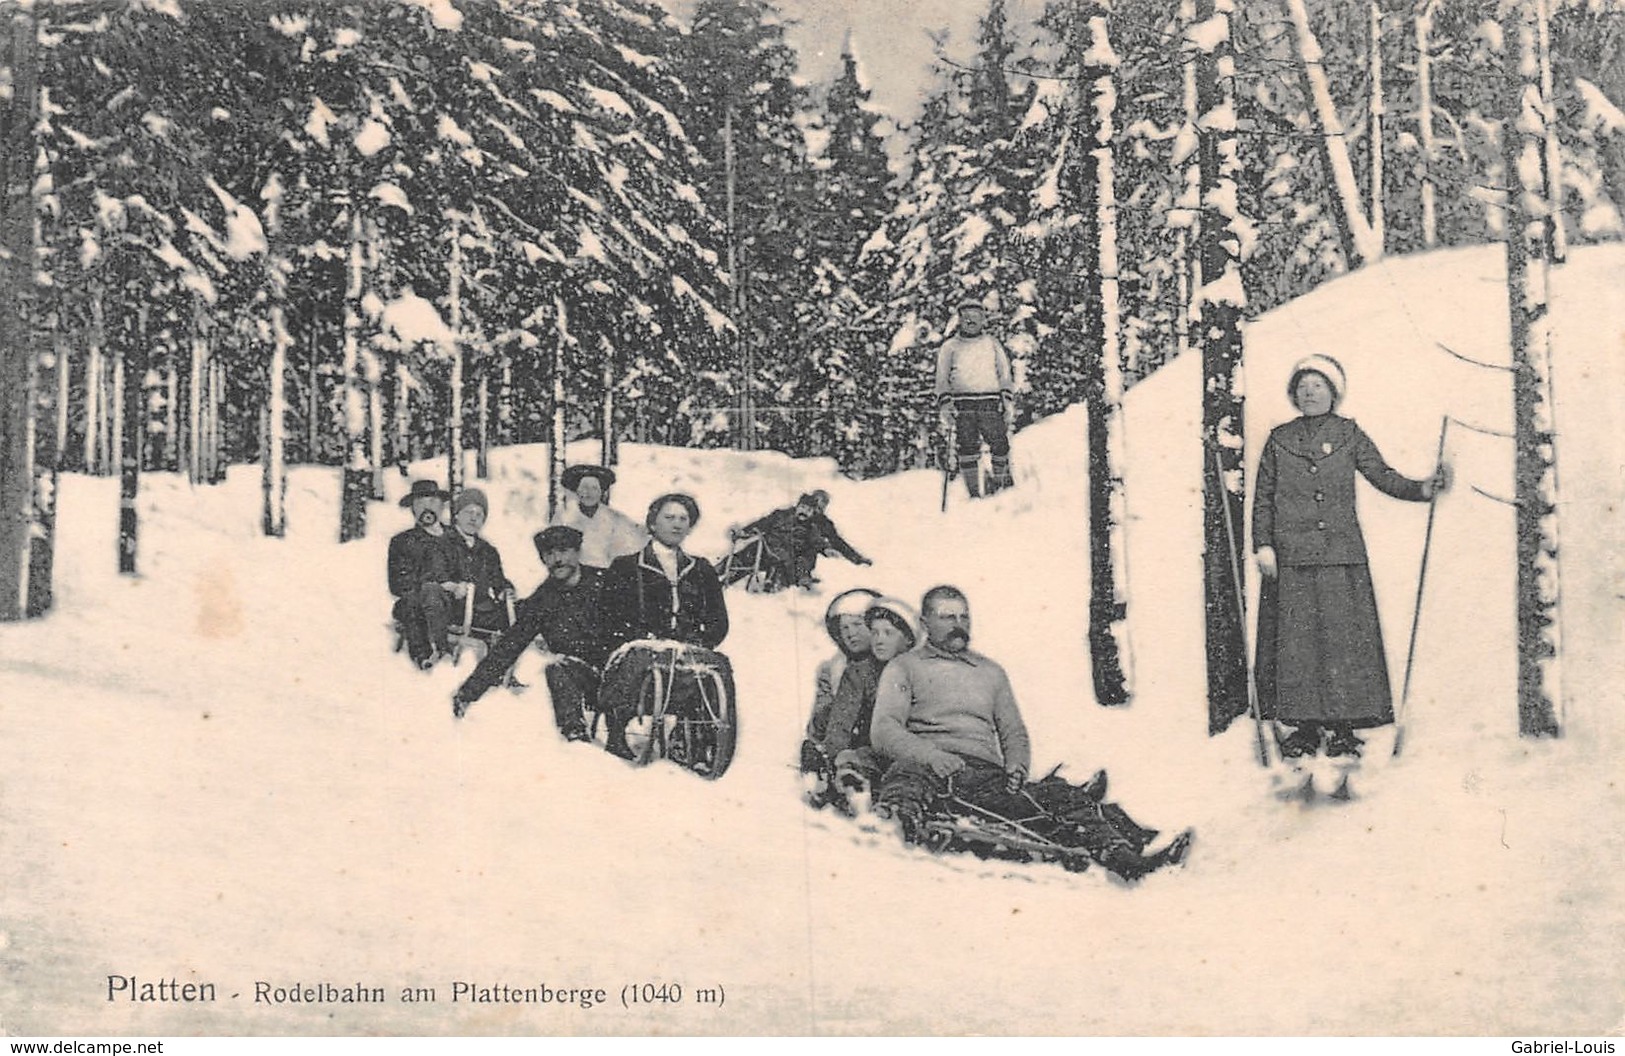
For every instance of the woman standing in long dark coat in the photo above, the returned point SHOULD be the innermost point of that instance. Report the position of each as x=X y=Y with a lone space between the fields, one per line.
x=1320 y=666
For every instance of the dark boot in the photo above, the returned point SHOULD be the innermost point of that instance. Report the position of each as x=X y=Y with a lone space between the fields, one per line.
x=970 y=469
x=1343 y=742
x=1001 y=478
x=1305 y=740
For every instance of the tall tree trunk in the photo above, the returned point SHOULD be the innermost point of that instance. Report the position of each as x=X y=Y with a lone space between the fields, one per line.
x=1103 y=374
x=505 y=402
x=357 y=476
x=482 y=457
x=218 y=456
x=172 y=409
x=195 y=418
x=1188 y=158
x=1424 y=118
x=1557 y=238
x=403 y=418
x=1376 y=111
x=18 y=366
x=1223 y=239
x=274 y=445
x=736 y=281
x=374 y=371
x=1534 y=429
x=1359 y=243
x=313 y=385
x=454 y=414
x=132 y=368
x=609 y=452
x=556 y=448
x=49 y=448
x=95 y=388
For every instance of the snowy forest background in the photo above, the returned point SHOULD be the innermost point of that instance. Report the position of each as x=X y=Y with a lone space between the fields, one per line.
x=322 y=232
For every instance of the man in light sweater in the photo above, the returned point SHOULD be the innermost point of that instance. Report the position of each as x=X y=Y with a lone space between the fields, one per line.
x=975 y=398
x=946 y=719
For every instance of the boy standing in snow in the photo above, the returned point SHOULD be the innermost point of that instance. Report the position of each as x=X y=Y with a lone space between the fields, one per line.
x=975 y=397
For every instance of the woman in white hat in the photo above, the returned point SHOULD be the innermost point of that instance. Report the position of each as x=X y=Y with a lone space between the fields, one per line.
x=893 y=630
x=1320 y=665
x=844 y=623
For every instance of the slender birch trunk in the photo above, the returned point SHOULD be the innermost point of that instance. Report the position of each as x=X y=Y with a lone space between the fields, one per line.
x=1222 y=299
x=357 y=476
x=454 y=415
x=1424 y=119
x=1540 y=690
x=1103 y=373
x=1354 y=230
x=18 y=364
x=1377 y=110
x=609 y=450
x=556 y=452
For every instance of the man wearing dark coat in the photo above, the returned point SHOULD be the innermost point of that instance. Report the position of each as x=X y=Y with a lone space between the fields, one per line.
x=419 y=565
x=564 y=613
x=1321 y=666
x=475 y=564
x=664 y=595
x=794 y=537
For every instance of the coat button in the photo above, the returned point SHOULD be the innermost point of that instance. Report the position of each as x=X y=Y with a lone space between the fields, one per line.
x=1321 y=525
x=1320 y=496
x=1314 y=468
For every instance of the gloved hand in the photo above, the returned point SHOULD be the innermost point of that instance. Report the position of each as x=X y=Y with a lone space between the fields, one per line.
x=946 y=764
x=1014 y=778
x=1009 y=414
x=946 y=414
x=864 y=560
x=1266 y=561
x=1439 y=483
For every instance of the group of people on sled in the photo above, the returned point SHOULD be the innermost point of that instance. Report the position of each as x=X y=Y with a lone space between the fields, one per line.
x=908 y=715
x=616 y=597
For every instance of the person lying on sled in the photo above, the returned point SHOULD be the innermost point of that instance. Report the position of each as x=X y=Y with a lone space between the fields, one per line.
x=791 y=540
x=946 y=718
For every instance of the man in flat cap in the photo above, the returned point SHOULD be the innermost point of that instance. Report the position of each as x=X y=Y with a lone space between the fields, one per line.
x=564 y=613
x=976 y=398
x=792 y=539
x=419 y=564
x=606 y=533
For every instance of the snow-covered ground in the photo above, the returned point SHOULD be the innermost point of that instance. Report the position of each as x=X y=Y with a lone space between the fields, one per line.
x=218 y=772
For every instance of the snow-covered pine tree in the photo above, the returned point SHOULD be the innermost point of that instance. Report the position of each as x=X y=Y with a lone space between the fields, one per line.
x=1528 y=257
x=855 y=191
x=1225 y=239
x=744 y=113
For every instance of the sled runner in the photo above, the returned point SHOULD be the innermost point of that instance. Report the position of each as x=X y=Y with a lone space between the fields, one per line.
x=464 y=635
x=749 y=563
x=685 y=712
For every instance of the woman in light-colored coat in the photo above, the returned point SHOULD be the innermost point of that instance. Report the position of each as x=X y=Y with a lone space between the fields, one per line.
x=1320 y=664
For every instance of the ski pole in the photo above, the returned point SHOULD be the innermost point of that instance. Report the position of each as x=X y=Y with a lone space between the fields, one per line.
x=1241 y=608
x=1416 y=613
x=948 y=455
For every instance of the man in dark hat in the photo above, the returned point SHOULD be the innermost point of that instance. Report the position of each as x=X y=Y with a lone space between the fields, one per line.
x=792 y=538
x=564 y=613
x=419 y=564
x=975 y=397
x=606 y=533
